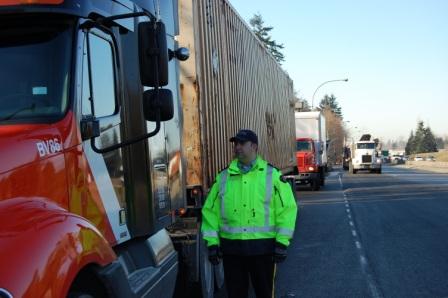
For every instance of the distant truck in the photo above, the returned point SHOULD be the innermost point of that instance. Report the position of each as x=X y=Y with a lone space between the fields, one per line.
x=365 y=155
x=311 y=149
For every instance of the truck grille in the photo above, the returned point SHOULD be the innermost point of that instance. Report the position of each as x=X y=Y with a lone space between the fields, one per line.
x=367 y=158
x=300 y=161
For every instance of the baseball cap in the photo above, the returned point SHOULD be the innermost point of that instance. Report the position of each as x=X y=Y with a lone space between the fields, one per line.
x=244 y=135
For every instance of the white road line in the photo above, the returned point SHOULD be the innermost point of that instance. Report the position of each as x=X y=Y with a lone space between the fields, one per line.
x=354 y=233
x=371 y=283
x=348 y=210
x=363 y=261
x=351 y=223
x=358 y=245
x=349 y=216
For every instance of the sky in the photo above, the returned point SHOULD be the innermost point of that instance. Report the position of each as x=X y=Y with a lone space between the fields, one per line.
x=394 y=53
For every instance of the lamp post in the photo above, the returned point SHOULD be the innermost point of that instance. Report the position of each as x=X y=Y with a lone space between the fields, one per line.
x=326 y=82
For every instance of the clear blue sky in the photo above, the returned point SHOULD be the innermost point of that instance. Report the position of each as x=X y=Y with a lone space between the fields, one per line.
x=394 y=52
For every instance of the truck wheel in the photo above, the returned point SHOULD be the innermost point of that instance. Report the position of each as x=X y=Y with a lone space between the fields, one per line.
x=322 y=179
x=315 y=184
x=79 y=295
x=354 y=171
x=379 y=171
x=87 y=285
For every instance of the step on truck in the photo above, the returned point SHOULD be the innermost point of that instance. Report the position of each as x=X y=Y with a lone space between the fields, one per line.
x=311 y=149
x=96 y=144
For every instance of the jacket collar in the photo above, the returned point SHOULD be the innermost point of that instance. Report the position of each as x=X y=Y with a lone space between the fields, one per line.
x=259 y=164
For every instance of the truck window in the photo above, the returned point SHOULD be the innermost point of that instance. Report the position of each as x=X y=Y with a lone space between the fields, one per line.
x=304 y=146
x=35 y=69
x=102 y=75
x=366 y=145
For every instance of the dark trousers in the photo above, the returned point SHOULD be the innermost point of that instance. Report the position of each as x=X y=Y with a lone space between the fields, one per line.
x=238 y=270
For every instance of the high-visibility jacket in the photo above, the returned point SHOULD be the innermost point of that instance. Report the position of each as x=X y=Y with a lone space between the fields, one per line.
x=247 y=207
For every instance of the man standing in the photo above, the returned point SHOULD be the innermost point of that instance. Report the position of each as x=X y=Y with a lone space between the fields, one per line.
x=248 y=220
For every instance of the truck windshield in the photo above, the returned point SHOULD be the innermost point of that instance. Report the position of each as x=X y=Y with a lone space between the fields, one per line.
x=35 y=66
x=304 y=146
x=366 y=145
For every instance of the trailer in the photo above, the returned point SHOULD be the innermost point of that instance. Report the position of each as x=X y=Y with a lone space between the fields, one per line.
x=230 y=82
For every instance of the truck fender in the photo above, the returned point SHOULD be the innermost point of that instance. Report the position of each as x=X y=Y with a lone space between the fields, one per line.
x=43 y=247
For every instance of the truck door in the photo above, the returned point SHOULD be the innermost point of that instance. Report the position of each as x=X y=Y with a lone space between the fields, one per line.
x=100 y=98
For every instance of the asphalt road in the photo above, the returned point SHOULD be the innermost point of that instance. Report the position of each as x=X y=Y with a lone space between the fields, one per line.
x=370 y=235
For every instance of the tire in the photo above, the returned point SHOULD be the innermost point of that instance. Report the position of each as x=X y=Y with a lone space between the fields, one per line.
x=79 y=295
x=354 y=171
x=379 y=171
x=87 y=285
x=322 y=179
x=315 y=184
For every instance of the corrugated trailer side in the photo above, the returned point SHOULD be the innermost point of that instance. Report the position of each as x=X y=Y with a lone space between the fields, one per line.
x=230 y=82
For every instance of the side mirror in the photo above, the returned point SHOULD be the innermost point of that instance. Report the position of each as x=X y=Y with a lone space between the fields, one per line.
x=153 y=54
x=90 y=128
x=162 y=105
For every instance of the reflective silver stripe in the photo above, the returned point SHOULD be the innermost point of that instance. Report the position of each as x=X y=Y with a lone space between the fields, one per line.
x=222 y=192
x=285 y=232
x=236 y=230
x=268 y=195
x=210 y=234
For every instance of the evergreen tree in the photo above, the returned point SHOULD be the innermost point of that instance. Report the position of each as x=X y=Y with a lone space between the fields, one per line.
x=419 y=136
x=429 y=143
x=263 y=34
x=410 y=145
x=423 y=141
x=330 y=103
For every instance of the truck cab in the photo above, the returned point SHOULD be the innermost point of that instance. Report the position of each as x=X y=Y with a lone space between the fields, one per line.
x=366 y=157
x=309 y=163
x=90 y=148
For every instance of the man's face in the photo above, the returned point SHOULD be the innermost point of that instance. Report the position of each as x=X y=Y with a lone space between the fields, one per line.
x=245 y=151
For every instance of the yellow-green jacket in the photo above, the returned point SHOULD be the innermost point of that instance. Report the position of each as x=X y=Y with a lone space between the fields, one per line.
x=249 y=211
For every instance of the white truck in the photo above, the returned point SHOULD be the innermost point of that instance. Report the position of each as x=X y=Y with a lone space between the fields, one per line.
x=366 y=155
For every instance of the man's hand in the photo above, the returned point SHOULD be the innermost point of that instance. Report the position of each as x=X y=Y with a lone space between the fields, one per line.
x=214 y=254
x=279 y=252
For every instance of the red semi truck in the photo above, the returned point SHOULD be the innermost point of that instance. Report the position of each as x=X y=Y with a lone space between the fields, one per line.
x=311 y=149
x=83 y=193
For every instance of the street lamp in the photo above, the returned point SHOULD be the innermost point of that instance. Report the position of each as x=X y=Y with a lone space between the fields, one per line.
x=340 y=80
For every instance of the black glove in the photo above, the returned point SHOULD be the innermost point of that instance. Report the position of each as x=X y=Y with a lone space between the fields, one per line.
x=214 y=254
x=279 y=252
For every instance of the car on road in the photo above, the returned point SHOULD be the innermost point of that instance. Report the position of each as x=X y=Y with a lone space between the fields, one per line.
x=430 y=158
x=418 y=158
